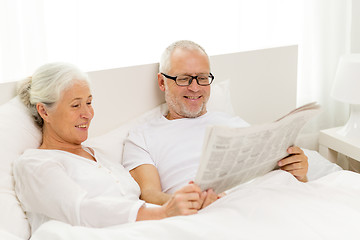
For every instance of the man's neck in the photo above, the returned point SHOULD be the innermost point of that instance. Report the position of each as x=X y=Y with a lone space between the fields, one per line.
x=170 y=116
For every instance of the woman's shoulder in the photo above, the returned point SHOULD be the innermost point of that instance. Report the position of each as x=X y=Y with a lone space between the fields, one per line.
x=35 y=153
x=33 y=158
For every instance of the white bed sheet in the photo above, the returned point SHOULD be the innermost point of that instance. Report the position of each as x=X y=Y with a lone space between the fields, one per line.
x=275 y=206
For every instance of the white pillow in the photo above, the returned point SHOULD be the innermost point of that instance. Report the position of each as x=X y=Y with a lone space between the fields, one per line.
x=220 y=99
x=111 y=144
x=18 y=133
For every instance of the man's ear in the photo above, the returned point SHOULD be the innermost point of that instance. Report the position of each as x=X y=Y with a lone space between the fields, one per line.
x=42 y=111
x=161 y=82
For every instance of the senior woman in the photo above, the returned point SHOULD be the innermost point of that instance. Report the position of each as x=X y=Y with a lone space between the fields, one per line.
x=67 y=181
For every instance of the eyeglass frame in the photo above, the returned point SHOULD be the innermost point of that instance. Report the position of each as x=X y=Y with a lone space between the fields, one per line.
x=190 y=81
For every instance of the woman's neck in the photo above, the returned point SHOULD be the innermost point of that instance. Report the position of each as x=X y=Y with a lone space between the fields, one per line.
x=76 y=149
x=49 y=142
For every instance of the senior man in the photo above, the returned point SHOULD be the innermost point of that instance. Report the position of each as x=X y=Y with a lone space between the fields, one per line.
x=163 y=155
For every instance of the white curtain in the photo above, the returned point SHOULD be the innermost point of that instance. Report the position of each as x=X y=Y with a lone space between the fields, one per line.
x=101 y=34
x=22 y=37
x=326 y=36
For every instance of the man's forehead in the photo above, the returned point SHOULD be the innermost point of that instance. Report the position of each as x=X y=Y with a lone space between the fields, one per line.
x=191 y=59
x=181 y=51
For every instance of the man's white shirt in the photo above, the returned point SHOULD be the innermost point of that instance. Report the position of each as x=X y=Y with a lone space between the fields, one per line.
x=174 y=147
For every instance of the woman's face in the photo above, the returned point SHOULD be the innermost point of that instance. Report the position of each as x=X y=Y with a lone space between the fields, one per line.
x=69 y=120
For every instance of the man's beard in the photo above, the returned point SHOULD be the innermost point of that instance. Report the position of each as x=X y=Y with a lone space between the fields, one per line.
x=181 y=108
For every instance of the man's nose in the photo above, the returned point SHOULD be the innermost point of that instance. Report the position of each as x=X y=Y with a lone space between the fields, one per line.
x=194 y=86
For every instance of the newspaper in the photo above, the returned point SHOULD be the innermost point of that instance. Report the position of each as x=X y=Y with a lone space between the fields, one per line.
x=232 y=156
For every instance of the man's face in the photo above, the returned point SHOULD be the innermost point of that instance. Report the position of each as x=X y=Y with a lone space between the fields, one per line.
x=186 y=101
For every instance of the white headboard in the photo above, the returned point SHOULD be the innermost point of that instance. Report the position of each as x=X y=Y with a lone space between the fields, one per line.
x=263 y=87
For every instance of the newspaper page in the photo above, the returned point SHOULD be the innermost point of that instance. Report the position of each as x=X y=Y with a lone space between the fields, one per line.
x=232 y=156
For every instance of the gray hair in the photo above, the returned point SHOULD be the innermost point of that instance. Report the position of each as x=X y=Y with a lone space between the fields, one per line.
x=165 y=63
x=46 y=86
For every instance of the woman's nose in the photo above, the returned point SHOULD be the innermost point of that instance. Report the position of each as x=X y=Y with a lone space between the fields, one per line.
x=87 y=112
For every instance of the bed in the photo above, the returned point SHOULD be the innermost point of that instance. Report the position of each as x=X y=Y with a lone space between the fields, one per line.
x=259 y=86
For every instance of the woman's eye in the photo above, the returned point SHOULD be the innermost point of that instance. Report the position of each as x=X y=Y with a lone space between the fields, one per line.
x=75 y=106
x=88 y=103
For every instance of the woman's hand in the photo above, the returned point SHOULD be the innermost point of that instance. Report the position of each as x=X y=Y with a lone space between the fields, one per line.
x=186 y=201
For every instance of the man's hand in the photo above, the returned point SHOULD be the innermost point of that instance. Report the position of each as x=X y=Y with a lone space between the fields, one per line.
x=210 y=197
x=296 y=164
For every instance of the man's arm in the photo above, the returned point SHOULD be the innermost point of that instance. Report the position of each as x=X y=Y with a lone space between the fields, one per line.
x=296 y=164
x=148 y=178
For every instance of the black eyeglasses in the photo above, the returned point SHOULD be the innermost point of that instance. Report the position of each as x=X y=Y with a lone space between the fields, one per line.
x=186 y=80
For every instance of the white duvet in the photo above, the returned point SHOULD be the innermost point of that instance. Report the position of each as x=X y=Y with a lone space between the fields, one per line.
x=275 y=206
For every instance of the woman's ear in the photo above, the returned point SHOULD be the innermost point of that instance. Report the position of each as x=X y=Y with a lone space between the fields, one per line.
x=161 y=82
x=42 y=111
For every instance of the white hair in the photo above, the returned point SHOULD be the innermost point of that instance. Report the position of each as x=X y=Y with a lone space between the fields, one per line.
x=165 y=63
x=47 y=84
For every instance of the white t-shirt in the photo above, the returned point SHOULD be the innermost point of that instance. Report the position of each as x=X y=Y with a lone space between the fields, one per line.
x=54 y=184
x=173 y=146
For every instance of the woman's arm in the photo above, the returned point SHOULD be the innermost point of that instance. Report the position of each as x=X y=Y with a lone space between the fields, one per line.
x=186 y=201
x=45 y=188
